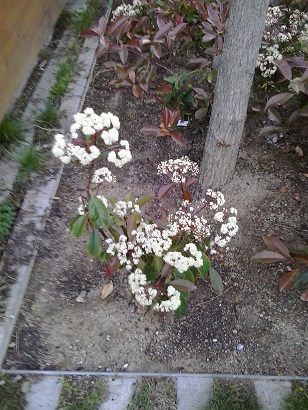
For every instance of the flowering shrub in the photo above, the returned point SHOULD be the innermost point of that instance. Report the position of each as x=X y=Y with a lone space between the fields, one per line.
x=163 y=259
x=286 y=33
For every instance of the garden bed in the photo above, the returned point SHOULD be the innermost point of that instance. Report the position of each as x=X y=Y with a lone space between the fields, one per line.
x=250 y=328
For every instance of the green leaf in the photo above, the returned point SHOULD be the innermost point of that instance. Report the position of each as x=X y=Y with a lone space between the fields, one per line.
x=158 y=263
x=104 y=256
x=302 y=280
x=99 y=214
x=150 y=272
x=190 y=276
x=78 y=225
x=182 y=308
x=216 y=281
x=94 y=245
x=204 y=269
x=144 y=199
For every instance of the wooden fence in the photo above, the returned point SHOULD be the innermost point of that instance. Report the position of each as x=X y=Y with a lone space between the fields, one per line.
x=24 y=26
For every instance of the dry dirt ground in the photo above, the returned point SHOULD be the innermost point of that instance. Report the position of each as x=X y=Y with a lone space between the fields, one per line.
x=251 y=328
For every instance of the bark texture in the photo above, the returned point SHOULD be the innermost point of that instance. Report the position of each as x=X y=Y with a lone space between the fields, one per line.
x=234 y=79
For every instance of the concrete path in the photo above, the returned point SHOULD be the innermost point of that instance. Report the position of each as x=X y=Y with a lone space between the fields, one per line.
x=192 y=392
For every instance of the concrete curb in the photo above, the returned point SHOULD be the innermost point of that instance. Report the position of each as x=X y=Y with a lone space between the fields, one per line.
x=18 y=260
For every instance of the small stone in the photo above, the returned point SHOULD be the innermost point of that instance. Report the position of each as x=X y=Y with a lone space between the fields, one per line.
x=234 y=331
x=12 y=345
x=125 y=366
x=214 y=340
x=81 y=297
x=240 y=346
x=24 y=387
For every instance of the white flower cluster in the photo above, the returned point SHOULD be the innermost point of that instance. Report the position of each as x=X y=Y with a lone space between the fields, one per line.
x=273 y=15
x=102 y=174
x=68 y=152
x=122 y=157
x=186 y=220
x=145 y=294
x=171 y=304
x=178 y=169
x=228 y=229
x=129 y=10
x=181 y=262
x=265 y=59
x=88 y=124
x=297 y=20
x=217 y=199
x=122 y=208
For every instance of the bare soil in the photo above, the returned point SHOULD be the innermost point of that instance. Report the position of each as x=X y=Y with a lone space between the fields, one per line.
x=251 y=328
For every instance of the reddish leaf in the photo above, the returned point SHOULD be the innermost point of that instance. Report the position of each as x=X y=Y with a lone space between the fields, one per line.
x=277 y=245
x=163 y=30
x=214 y=18
x=156 y=50
x=164 y=190
x=163 y=89
x=123 y=54
x=305 y=75
x=183 y=285
x=298 y=62
x=284 y=68
x=131 y=225
x=165 y=116
x=112 y=266
x=191 y=181
x=152 y=130
x=186 y=195
x=89 y=33
x=178 y=137
x=137 y=91
x=165 y=270
x=178 y=29
x=288 y=280
x=208 y=37
x=303 y=258
x=117 y=23
x=304 y=296
x=278 y=99
x=202 y=61
x=174 y=118
x=268 y=257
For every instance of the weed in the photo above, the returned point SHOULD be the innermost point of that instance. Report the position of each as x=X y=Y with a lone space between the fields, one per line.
x=11 y=131
x=64 y=74
x=65 y=19
x=81 y=394
x=29 y=160
x=232 y=396
x=298 y=400
x=50 y=116
x=11 y=397
x=7 y=216
x=154 y=393
x=83 y=19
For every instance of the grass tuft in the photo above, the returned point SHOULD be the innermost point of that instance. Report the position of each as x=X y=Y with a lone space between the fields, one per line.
x=84 y=19
x=81 y=394
x=11 y=397
x=50 y=117
x=7 y=217
x=11 y=131
x=298 y=400
x=232 y=396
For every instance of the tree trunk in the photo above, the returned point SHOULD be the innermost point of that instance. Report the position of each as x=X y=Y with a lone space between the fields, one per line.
x=234 y=79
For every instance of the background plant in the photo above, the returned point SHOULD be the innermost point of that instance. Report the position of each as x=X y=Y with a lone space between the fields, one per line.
x=296 y=256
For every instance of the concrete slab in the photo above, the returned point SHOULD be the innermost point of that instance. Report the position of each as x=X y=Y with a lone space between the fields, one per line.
x=193 y=393
x=271 y=394
x=121 y=391
x=45 y=394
